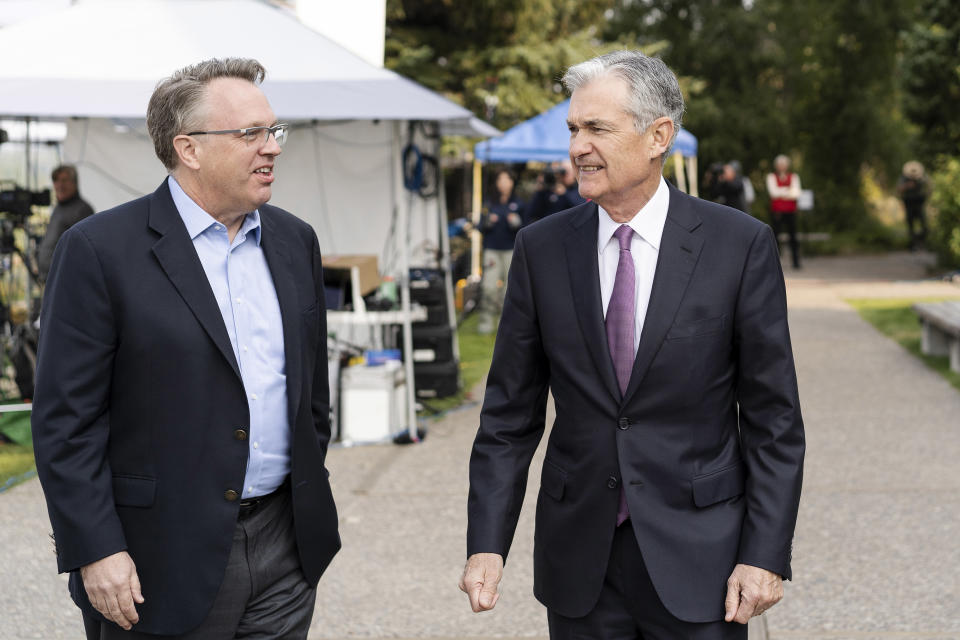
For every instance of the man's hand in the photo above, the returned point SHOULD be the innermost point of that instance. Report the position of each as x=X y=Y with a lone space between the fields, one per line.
x=113 y=587
x=480 y=580
x=750 y=592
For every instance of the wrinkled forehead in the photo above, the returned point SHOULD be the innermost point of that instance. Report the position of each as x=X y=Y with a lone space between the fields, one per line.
x=600 y=104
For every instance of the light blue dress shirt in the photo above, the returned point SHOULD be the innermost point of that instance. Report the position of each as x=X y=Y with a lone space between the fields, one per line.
x=242 y=283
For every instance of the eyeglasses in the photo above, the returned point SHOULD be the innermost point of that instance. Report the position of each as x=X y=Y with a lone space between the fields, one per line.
x=253 y=134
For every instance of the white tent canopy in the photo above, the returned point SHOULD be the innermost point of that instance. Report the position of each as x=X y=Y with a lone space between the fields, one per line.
x=96 y=63
x=103 y=58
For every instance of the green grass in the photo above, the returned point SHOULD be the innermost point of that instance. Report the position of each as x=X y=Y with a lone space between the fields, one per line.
x=476 y=352
x=15 y=459
x=896 y=319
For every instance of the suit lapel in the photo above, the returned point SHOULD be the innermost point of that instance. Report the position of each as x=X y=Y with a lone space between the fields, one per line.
x=679 y=251
x=583 y=264
x=277 y=253
x=178 y=258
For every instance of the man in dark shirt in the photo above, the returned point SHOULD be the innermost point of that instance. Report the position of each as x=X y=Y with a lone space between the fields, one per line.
x=70 y=209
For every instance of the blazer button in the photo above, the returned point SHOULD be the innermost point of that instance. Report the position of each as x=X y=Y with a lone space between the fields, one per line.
x=230 y=495
x=612 y=482
x=240 y=434
x=623 y=424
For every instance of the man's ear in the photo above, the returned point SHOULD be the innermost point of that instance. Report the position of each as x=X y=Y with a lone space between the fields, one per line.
x=661 y=135
x=187 y=150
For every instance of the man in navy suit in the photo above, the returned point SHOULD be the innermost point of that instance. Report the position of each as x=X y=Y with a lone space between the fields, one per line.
x=670 y=489
x=181 y=414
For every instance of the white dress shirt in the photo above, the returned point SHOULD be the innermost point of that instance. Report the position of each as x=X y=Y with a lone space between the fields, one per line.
x=647 y=225
x=243 y=286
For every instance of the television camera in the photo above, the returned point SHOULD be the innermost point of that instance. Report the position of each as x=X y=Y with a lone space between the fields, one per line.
x=18 y=307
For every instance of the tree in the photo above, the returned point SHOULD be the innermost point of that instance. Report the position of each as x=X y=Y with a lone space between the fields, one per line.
x=931 y=77
x=502 y=59
x=811 y=79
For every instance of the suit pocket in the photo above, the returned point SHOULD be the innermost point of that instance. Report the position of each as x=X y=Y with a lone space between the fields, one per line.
x=720 y=485
x=311 y=315
x=134 y=491
x=552 y=480
x=699 y=328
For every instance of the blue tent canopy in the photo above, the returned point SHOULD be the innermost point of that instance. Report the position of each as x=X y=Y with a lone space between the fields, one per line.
x=545 y=138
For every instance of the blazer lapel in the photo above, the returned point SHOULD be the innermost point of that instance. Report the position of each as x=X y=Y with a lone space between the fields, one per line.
x=277 y=253
x=583 y=265
x=178 y=258
x=679 y=251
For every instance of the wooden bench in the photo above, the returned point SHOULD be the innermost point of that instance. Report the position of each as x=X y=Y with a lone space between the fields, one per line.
x=941 y=330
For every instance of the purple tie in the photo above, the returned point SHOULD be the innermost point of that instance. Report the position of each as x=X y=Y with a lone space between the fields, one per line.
x=621 y=322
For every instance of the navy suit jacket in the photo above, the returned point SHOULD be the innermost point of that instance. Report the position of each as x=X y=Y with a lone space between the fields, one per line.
x=707 y=442
x=139 y=405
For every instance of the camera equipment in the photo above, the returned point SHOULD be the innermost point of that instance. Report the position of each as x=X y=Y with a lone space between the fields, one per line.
x=16 y=202
x=18 y=337
x=549 y=178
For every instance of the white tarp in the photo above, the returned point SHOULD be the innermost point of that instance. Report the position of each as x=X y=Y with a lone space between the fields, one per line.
x=336 y=176
x=103 y=58
x=96 y=63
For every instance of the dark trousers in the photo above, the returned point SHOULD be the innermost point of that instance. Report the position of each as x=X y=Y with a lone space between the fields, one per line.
x=630 y=609
x=263 y=594
x=915 y=218
x=787 y=222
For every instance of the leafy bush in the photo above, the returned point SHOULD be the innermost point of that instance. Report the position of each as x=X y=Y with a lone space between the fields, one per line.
x=945 y=202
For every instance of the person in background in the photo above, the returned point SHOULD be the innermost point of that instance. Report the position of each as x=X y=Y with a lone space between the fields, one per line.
x=572 y=189
x=552 y=195
x=502 y=218
x=749 y=195
x=69 y=210
x=784 y=189
x=730 y=190
x=912 y=187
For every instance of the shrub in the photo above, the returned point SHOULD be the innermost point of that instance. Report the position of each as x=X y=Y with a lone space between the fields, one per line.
x=945 y=203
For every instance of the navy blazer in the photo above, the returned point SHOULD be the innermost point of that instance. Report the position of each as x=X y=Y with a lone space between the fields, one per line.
x=707 y=441
x=139 y=401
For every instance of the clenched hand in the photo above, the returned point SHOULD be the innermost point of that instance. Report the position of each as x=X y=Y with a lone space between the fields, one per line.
x=480 y=580
x=113 y=587
x=750 y=592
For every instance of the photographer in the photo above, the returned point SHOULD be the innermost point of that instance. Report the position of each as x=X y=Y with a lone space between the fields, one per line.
x=553 y=195
x=70 y=209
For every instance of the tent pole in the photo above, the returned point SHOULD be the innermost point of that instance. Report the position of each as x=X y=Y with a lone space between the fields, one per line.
x=445 y=263
x=26 y=149
x=678 y=170
x=692 y=173
x=475 y=237
x=403 y=224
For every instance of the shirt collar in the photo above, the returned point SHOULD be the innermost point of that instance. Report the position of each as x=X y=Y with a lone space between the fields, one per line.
x=647 y=223
x=197 y=220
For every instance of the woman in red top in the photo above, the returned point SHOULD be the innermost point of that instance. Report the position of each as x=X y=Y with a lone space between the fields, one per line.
x=784 y=189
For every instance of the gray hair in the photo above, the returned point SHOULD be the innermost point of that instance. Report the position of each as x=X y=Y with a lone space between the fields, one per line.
x=781 y=159
x=654 y=90
x=176 y=102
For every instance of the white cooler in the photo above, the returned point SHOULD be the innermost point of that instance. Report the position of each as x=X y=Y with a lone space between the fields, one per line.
x=373 y=402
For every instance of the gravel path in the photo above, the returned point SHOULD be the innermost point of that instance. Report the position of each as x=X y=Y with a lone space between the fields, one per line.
x=876 y=553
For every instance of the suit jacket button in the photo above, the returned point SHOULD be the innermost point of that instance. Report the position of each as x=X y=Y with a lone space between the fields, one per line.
x=230 y=495
x=623 y=424
x=240 y=434
x=612 y=482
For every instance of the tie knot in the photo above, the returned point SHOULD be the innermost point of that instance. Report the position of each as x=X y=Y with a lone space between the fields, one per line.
x=624 y=234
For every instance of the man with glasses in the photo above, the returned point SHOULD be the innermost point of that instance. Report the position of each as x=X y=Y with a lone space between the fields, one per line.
x=181 y=414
